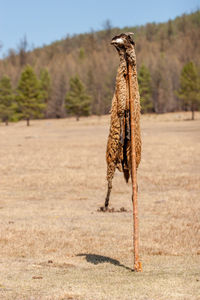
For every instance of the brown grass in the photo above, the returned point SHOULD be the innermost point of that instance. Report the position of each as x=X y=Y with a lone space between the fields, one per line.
x=54 y=244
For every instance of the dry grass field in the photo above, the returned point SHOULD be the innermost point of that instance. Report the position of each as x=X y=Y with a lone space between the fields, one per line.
x=54 y=244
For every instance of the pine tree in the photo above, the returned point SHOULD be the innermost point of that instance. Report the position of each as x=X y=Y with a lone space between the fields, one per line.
x=81 y=54
x=6 y=100
x=77 y=101
x=29 y=98
x=45 y=85
x=145 y=88
x=189 y=90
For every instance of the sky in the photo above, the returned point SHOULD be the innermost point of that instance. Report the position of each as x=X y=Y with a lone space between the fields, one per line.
x=45 y=21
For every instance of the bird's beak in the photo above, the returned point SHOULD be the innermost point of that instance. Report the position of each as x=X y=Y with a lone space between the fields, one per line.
x=117 y=41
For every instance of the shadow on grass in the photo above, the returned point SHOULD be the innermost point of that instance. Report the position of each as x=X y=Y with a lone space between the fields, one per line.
x=99 y=259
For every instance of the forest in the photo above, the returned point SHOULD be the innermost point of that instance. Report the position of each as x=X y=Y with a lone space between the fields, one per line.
x=86 y=65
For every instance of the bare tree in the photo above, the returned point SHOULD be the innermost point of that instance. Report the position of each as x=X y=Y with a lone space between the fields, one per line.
x=22 y=50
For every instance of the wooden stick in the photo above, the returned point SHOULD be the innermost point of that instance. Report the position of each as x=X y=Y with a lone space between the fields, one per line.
x=137 y=264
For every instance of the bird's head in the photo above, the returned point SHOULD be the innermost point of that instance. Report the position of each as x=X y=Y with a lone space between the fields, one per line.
x=123 y=41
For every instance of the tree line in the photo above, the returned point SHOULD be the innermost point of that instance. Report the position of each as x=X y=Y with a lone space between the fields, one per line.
x=88 y=64
x=32 y=95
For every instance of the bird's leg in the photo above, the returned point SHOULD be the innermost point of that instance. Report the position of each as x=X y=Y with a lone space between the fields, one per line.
x=105 y=207
x=108 y=195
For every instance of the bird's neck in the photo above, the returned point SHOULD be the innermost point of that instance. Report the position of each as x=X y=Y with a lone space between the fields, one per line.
x=131 y=57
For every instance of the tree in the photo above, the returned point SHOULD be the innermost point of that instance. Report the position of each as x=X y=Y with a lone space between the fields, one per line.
x=22 y=48
x=6 y=99
x=163 y=94
x=189 y=91
x=45 y=86
x=29 y=98
x=145 y=88
x=150 y=31
x=77 y=101
x=170 y=30
x=81 y=54
x=107 y=26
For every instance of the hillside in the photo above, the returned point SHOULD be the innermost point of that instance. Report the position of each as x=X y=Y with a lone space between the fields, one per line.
x=164 y=48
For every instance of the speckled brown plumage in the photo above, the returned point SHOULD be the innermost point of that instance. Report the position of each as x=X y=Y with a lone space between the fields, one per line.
x=118 y=154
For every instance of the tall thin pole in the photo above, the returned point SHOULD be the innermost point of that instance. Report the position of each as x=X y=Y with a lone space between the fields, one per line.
x=137 y=263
